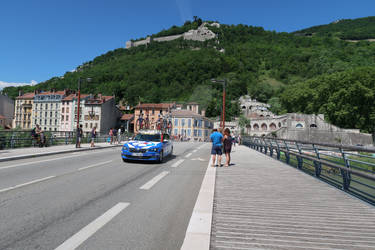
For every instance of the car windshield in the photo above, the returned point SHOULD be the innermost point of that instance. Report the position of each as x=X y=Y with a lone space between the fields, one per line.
x=143 y=137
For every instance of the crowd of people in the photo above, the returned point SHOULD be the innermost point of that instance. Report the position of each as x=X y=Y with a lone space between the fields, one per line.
x=222 y=142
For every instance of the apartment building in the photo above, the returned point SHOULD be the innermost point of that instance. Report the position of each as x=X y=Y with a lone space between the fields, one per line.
x=149 y=114
x=190 y=125
x=23 y=107
x=99 y=111
x=6 y=111
x=46 y=109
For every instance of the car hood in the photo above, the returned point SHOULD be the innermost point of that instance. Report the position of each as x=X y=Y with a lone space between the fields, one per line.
x=142 y=144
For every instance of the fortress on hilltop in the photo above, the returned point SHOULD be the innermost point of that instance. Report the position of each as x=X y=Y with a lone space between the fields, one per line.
x=201 y=34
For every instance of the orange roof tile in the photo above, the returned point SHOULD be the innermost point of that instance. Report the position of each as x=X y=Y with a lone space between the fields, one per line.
x=127 y=117
x=26 y=96
x=155 y=105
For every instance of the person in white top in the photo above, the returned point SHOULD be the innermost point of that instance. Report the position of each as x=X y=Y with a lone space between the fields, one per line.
x=119 y=135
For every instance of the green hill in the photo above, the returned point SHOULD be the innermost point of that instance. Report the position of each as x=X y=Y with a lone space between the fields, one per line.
x=346 y=29
x=267 y=65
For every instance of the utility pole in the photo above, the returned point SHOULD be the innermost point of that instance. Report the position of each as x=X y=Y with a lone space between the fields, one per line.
x=224 y=82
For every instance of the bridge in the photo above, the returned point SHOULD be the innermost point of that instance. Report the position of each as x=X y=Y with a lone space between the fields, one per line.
x=277 y=194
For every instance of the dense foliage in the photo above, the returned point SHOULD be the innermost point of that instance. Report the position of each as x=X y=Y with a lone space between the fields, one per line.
x=278 y=68
x=348 y=29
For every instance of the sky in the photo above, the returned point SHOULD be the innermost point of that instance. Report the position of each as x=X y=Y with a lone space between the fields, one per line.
x=41 y=39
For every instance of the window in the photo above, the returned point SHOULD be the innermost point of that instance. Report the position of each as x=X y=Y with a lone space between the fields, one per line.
x=62 y=110
x=55 y=121
x=67 y=109
x=46 y=106
x=45 y=122
x=86 y=125
x=175 y=131
x=67 y=118
x=62 y=117
x=299 y=125
x=90 y=125
x=189 y=123
x=50 y=114
x=182 y=122
x=176 y=122
x=189 y=132
x=96 y=125
x=199 y=132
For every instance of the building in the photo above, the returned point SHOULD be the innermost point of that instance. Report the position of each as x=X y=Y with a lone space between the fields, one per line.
x=190 y=125
x=293 y=126
x=202 y=34
x=127 y=122
x=23 y=111
x=146 y=115
x=46 y=109
x=6 y=111
x=68 y=112
x=98 y=111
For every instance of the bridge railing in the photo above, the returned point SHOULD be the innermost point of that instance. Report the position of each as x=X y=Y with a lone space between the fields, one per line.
x=22 y=139
x=350 y=168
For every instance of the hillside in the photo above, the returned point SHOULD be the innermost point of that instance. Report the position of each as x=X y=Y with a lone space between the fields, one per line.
x=345 y=29
x=261 y=63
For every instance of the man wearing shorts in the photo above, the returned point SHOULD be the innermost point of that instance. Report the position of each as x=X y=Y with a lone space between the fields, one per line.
x=217 y=143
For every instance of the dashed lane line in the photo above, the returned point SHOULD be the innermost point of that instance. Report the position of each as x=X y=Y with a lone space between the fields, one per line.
x=94 y=165
x=188 y=155
x=154 y=180
x=27 y=183
x=176 y=164
x=86 y=232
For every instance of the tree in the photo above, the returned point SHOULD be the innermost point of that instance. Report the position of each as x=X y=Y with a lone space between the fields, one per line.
x=243 y=122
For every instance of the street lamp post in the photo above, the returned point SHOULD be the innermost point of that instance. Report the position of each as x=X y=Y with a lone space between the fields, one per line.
x=79 y=105
x=224 y=82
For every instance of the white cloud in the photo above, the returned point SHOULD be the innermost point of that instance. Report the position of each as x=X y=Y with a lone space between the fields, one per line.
x=16 y=84
x=184 y=8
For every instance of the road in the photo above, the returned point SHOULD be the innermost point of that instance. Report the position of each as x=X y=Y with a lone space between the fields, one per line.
x=92 y=200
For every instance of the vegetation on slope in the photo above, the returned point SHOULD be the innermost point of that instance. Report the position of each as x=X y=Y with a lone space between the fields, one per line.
x=278 y=68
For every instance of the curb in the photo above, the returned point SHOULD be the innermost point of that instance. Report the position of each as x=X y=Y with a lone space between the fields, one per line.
x=198 y=233
x=13 y=158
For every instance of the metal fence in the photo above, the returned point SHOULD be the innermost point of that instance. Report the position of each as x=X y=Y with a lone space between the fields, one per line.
x=350 y=168
x=21 y=139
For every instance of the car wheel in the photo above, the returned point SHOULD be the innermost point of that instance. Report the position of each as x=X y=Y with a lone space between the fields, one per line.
x=161 y=157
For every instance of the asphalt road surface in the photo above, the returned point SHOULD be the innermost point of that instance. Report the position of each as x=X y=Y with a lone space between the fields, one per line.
x=92 y=200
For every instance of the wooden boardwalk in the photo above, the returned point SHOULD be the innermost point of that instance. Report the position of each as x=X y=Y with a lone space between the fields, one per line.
x=261 y=203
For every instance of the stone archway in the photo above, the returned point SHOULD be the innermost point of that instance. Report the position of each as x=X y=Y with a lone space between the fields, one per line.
x=256 y=127
x=272 y=126
x=264 y=127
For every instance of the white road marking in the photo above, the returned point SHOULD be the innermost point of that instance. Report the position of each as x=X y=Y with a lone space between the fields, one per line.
x=176 y=164
x=86 y=232
x=95 y=165
x=27 y=183
x=195 y=150
x=198 y=232
x=29 y=163
x=188 y=155
x=154 y=180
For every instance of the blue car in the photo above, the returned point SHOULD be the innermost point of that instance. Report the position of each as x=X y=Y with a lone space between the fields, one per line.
x=147 y=146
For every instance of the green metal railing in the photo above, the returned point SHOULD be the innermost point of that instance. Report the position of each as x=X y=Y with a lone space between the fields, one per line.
x=350 y=168
x=22 y=139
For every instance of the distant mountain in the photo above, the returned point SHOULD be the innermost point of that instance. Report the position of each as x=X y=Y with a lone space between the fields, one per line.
x=269 y=66
x=346 y=29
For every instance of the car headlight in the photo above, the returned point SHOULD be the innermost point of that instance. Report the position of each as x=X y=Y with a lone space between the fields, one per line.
x=153 y=150
x=125 y=147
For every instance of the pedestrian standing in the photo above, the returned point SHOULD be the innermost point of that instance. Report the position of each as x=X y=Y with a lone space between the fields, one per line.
x=93 y=136
x=119 y=135
x=114 y=132
x=227 y=146
x=111 y=136
x=79 y=136
x=217 y=142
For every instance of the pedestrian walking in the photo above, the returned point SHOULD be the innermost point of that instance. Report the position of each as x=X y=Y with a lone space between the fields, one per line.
x=217 y=143
x=227 y=146
x=93 y=136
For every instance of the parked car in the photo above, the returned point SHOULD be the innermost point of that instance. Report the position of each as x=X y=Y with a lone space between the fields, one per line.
x=148 y=145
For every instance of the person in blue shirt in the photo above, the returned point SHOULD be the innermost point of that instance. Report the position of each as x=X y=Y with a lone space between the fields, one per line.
x=217 y=143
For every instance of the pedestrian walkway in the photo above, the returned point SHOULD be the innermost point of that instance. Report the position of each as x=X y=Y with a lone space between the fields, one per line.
x=261 y=203
x=23 y=153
